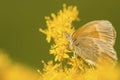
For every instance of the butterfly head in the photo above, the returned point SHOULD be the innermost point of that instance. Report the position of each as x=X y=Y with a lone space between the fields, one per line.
x=69 y=38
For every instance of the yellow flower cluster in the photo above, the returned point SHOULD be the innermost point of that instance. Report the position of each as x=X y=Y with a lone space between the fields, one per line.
x=54 y=72
x=11 y=70
x=57 y=26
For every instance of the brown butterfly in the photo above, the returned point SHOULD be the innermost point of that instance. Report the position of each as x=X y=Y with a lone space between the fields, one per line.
x=94 y=42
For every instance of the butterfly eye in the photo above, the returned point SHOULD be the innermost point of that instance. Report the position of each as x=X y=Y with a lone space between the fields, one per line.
x=76 y=44
x=68 y=36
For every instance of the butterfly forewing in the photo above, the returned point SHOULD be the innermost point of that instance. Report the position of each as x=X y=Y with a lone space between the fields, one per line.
x=100 y=29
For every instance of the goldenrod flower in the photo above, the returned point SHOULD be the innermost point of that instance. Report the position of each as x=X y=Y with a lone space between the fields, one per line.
x=57 y=25
x=54 y=72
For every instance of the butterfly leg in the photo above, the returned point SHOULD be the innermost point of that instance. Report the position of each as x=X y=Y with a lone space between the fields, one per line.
x=74 y=54
x=90 y=62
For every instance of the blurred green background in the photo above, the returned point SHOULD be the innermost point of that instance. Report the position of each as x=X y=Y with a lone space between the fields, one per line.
x=21 y=19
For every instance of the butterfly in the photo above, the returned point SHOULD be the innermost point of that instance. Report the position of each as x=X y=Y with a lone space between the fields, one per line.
x=94 y=42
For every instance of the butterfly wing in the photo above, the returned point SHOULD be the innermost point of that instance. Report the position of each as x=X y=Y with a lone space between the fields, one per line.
x=94 y=41
x=94 y=50
x=86 y=48
x=100 y=29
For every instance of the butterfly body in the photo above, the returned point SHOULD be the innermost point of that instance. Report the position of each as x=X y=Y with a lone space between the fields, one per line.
x=94 y=42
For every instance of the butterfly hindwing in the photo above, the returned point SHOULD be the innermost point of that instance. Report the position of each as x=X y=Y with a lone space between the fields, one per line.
x=94 y=50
